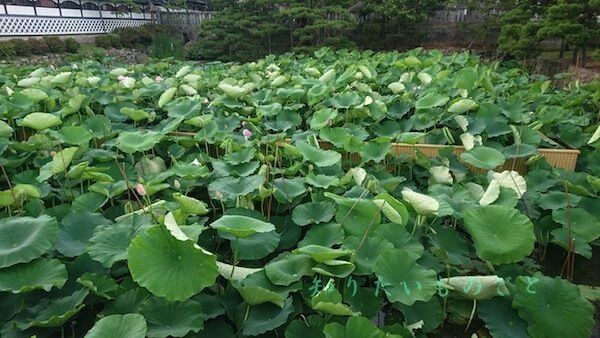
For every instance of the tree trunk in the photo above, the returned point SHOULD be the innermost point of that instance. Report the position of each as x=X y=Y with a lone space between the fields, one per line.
x=574 y=58
x=562 y=48
x=583 y=55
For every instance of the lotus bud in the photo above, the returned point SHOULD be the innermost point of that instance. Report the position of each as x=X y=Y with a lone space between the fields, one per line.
x=195 y=162
x=218 y=195
x=176 y=184
x=205 y=101
x=52 y=153
x=120 y=78
x=247 y=133
x=139 y=188
x=74 y=66
x=244 y=123
x=158 y=79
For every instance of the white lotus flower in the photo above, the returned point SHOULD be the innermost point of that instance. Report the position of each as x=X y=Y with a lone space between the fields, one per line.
x=423 y=204
x=467 y=140
x=512 y=180
x=441 y=174
x=127 y=82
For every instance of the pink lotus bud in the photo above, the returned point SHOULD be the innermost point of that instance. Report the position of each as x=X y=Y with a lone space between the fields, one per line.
x=120 y=78
x=158 y=79
x=247 y=133
x=139 y=188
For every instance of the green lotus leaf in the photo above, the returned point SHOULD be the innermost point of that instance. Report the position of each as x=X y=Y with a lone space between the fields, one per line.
x=255 y=246
x=99 y=284
x=402 y=279
x=39 y=274
x=329 y=300
x=345 y=100
x=243 y=155
x=355 y=214
x=322 y=254
x=501 y=234
x=366 y=256
x=137 y=141
x=264 y=317
x=519 y=150
x=423 y=204
x=320 y=157
x=313 y=213
x=298 y=328
x=323 y=118
x=5 y=129
x=583 y=224
x=483 y=157
x=429 y=312
x=109 y=243
x=431 y=100
x=34 y=94
x=40 y=121
x=58 y=311
x=501 y=319
x=554 y=200
x=60 y=162
x=356 y=327
x=75 y=135
x=393 y=209
x=374 y=151
x=76 y=230
x=131 y=325
x=191 y=205
x=289 y=268
x=23 y=239
x=230 y=188
x=462 y=106
x=323 y=234
x=231 y=272
x=169 y=267
x=286 y=190
x=335 y=268
x=172 y=319
x=321 y=181
x=134 y=114
x=241 y=226
x=553 y=307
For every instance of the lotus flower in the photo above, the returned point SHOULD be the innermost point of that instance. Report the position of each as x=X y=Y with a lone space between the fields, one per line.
x=139 y=188
x=158 y=79
x=247 y=133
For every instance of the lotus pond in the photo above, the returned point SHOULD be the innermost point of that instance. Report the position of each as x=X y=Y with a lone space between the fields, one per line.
x=265 y=199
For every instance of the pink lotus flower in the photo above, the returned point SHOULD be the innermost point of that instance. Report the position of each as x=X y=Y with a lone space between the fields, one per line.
x=139 y=188
x=158 y=79
x=247 y=133
x=120 y=78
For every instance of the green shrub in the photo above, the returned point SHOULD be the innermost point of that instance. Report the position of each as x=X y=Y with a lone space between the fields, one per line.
x=7 y=49
x=22 y=47
x=39 y=46
x=165 y=46
x=103 y=41
x=71 y=45
x=55 y=44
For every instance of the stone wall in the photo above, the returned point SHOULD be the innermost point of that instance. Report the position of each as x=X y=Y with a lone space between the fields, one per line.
x=126 y=55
